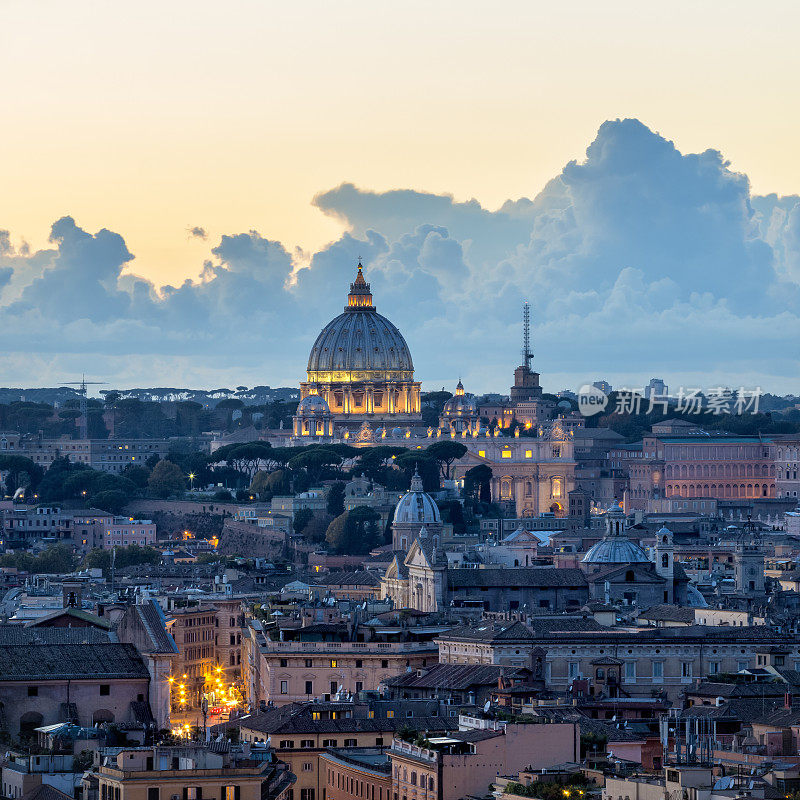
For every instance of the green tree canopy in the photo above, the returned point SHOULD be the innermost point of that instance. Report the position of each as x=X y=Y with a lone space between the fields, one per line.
x=166 y=479
x=301 y=519
x=335 y=504
x=136 y=474
x=445 y=452
x=55 y=560
x=355 y=532
x=478 y=483
x=134 y=555
x=21 y=472
x=112 y=500
x=313 y=461
x=427 y=467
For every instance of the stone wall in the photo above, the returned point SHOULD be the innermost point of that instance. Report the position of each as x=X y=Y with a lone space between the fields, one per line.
x=250 y=541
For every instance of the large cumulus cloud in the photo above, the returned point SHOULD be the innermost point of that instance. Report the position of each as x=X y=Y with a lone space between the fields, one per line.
x=638 y=260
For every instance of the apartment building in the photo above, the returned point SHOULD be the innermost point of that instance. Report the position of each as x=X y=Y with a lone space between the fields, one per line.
x=356 y=773
x=288 y=665
x=303 y=733
x=462 y=763
x=106 y=455
x=190 y=773
x=208 y=636
x=637 y=663
x=126 y=531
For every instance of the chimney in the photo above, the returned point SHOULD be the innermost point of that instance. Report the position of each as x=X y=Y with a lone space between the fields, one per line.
x=787 y=701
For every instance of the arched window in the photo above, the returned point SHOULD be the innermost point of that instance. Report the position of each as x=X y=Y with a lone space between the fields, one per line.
x=629 y=576
x=665 y=561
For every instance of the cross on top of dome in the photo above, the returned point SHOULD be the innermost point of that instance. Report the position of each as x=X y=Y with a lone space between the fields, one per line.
x=360 y=295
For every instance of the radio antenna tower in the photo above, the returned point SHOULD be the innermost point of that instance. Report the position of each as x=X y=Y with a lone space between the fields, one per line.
x=526 y=335
x=82 y=392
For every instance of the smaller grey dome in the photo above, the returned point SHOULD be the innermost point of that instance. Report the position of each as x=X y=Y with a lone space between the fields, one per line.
x=460 y=405
x=615 y=550
x=417 y=506
x=312 y=404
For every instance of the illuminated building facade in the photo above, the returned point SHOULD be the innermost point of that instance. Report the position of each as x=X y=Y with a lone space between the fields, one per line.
x=208 y=639
x=360 y=365
x=529 y=476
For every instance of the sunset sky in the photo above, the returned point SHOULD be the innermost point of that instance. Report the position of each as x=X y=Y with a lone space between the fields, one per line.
x=151 y=119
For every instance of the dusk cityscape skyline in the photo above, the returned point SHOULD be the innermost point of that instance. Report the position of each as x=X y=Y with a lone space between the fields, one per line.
x=399 y=401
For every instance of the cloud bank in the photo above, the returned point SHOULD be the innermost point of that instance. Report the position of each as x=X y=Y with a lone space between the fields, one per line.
x=637 y=261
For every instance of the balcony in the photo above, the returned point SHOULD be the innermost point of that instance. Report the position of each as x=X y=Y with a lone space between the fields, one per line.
x=413 y=750
x=363 y=648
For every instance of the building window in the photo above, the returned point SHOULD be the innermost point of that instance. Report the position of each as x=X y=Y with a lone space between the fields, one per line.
x=389 y=713
x=307 y=766
x=384 y=663
x=307 y=743
x=359 y=663
x=105 y=689
x=574 y=670
x=333 y=663
x=686 y=669
x=309 y=687
x=286 y=744
x=33 y=691
x=152 y=793
x=230 y=793
x=713 y=667
x=630 y=670
x=284 y=662
x=329 y=743
x=306 y=794
x=284 y=687
x=658 y=670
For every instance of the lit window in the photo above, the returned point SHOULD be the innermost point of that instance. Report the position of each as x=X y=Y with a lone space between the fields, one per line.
x=506 y=454
x=333 y=663
x=389 y=714
x=482 y=453
x=529 y=454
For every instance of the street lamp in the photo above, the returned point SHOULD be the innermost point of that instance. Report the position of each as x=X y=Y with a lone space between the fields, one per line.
x=191 y=481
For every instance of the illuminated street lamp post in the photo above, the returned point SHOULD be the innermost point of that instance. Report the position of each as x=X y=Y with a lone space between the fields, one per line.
x=191 y=481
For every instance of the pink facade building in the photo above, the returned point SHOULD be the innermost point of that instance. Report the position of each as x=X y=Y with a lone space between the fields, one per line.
x=125 y=531
x=696 y=466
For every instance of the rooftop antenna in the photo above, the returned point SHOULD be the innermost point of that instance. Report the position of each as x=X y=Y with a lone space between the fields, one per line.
x=526 y=335
x=81 y=390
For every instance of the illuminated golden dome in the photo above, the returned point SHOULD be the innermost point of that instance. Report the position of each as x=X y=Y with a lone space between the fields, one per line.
x=360 y=344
